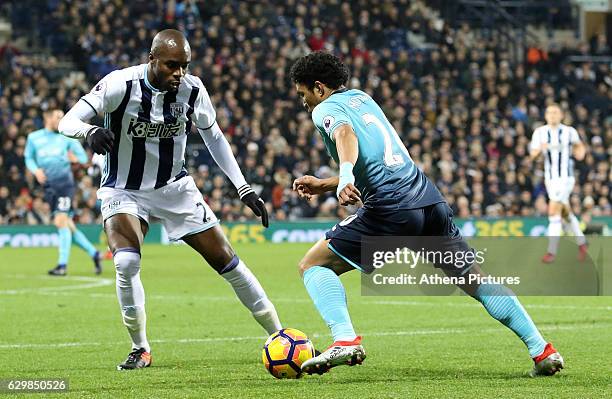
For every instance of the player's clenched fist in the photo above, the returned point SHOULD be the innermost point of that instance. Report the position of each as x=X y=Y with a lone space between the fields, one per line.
x=307 y=186
x=349 y=195
x=100 y=140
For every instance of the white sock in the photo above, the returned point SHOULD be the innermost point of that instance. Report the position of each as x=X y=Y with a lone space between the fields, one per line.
x=553 y=232
x=567 y=228
x=252 y=295
x=130 y=293
x=575 y=228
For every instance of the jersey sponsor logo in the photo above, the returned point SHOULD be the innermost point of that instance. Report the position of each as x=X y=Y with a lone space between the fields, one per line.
x=328 y=121
x=50 y=152
x=148 y=129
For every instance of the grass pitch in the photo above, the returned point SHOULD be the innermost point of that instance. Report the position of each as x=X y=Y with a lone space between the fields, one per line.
x=206 y=345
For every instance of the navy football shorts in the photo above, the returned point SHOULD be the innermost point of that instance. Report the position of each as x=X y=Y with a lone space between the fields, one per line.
x=430 y=228
x=59 y=197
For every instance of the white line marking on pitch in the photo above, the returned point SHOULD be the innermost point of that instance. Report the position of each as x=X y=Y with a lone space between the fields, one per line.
x=92 y=282
x=441 y=331
x=230 y=298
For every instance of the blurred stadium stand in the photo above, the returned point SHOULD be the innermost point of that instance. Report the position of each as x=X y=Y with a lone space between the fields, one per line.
x=463 y=82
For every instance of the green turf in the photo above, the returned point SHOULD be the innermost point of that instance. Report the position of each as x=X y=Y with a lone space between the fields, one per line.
x=424 y=347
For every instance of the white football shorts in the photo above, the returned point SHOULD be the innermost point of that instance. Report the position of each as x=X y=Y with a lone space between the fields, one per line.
x=559 y=190
x=179 y=206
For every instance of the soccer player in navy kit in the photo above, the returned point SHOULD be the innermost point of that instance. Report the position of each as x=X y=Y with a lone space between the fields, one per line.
x=149 y=109
x=398 y=200
x=48 y=156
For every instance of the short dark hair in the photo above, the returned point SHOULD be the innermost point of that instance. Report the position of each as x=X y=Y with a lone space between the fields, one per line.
x=321 y=66
x=50 y=110
x=553 y=104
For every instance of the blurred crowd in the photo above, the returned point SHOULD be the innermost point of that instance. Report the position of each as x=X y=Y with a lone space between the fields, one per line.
x=462 y=106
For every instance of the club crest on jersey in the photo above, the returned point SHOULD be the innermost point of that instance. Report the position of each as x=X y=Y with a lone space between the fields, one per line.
x=328 y=121
x=177 y=109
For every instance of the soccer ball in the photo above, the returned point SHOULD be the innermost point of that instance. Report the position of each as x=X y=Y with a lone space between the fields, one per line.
x=285 y=351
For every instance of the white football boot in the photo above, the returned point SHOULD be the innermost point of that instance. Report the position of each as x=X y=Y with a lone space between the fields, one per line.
x=548 y=363
x=339 y=353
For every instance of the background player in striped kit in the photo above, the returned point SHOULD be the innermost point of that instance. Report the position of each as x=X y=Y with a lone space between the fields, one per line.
x=48 y=156
x=149 y=110
x=559 y=143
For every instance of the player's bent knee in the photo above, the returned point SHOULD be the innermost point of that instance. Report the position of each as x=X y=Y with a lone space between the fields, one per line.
x=222 y=259
x=124 y=231
x=127 y=262
x=304 y=265
x=555 y=208
x=565 y=212
x=61 y=221
x=223 y=267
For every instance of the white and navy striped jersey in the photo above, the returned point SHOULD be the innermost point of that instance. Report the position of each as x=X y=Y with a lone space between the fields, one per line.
x=558 y=162
x=150 y=127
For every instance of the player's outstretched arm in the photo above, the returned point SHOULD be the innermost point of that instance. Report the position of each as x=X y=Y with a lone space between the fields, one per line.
x=307 y=186
x=222 y=153
x=348 y=151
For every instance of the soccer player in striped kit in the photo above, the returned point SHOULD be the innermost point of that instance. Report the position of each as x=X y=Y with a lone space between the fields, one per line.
x=148 y=111
x=559 y=143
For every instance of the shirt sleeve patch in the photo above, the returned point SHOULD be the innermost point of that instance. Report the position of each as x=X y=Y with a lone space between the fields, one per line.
x=328 y=122
x=99 y=88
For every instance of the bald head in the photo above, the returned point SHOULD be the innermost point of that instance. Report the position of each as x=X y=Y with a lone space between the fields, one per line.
x=168 y=60
x=170 y=40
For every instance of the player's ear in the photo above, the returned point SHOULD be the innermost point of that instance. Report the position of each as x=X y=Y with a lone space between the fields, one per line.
x=319 y=89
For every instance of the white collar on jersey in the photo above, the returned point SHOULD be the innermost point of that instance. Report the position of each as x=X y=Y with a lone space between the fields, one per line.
x=146 y=79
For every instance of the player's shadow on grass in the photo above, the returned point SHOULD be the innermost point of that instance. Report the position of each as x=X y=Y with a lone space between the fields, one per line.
x=400 y=374
x=416 y=373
